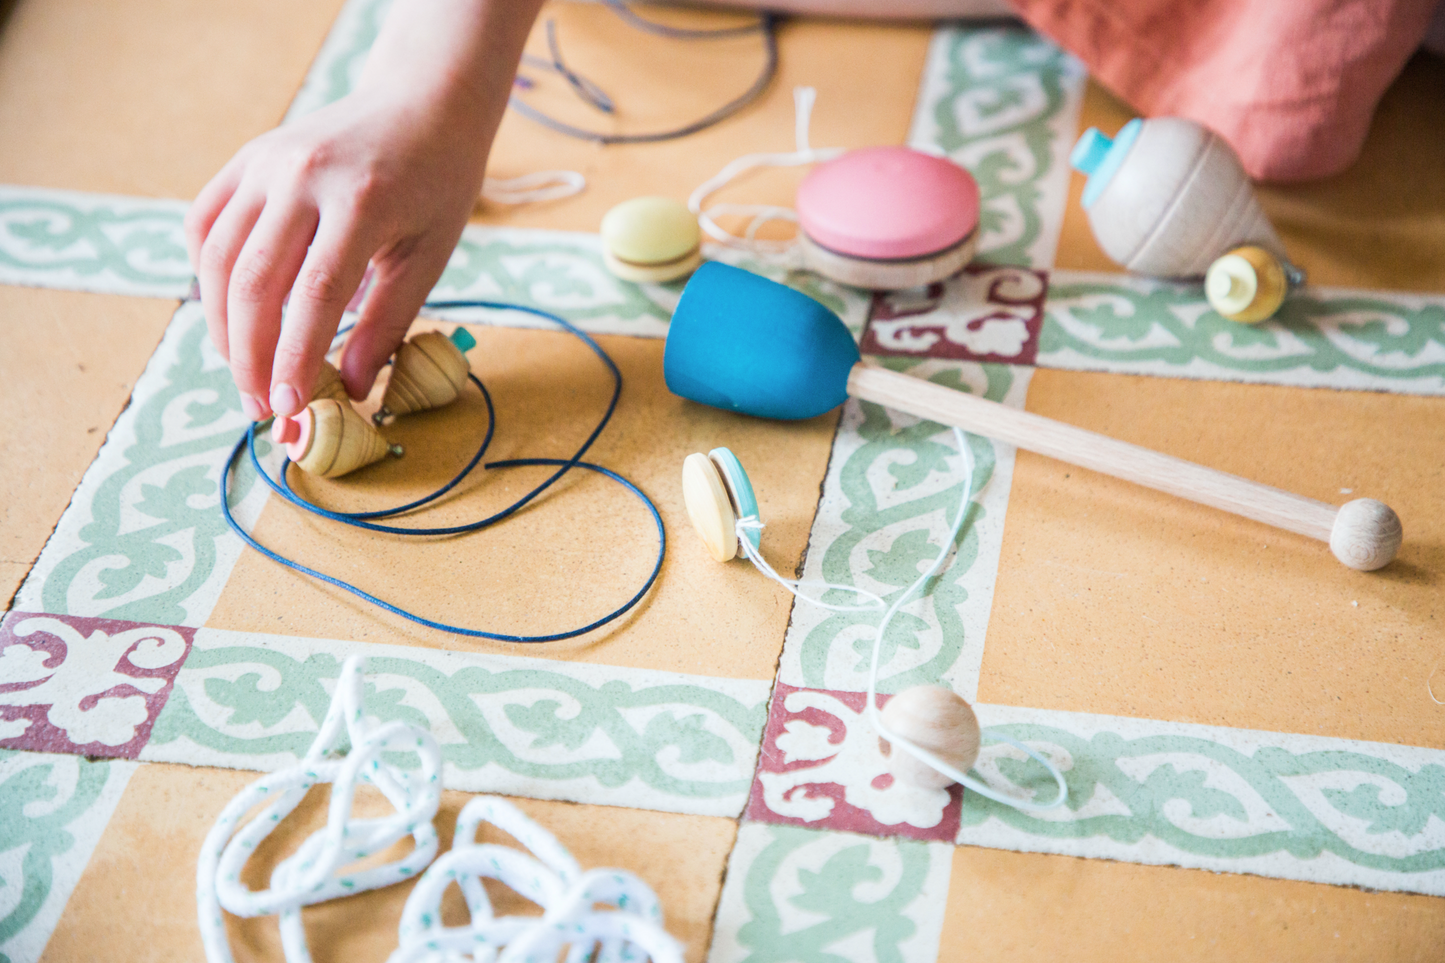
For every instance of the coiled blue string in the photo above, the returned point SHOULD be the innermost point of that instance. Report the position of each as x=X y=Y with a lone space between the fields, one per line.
x=363 y=520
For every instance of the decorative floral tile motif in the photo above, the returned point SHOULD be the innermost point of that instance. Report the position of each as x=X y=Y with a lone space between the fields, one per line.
x=822 y=765
x=143 y=539
x=1004 y=102
x=1322 y=337
x=1233 y=800
x=92 y=242
x=801 y=896
x=530 y=727
x=53 y=810
x=985 y=314
x=88 y=686
x=890 y=495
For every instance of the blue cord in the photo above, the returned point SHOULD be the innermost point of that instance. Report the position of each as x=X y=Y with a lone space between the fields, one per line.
x=363 y=519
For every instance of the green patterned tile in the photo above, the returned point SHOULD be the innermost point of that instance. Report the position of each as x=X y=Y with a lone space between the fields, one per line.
x=53 y=810
x=531 y=727
x=890 y=494
x=1229 y=800
x=1322 y=337
x=1003 y=102
x=92 y=242
x=801 y=896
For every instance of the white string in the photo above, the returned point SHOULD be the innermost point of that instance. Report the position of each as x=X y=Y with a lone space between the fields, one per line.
x=532 y=188
x=918 y=752
x=754 y=525
x=803 y=153
x=751 y=525
x=546 y=875
x=311 y=874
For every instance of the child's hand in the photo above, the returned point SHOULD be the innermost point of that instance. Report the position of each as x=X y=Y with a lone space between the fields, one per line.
x=386 y=176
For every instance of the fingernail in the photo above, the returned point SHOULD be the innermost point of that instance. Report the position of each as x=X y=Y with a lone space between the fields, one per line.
x=285 y=400
x=251 y=407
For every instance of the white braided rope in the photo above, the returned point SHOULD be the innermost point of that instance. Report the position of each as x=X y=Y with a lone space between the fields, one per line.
x=533 y=188
x=313 y=874
x=549 y=877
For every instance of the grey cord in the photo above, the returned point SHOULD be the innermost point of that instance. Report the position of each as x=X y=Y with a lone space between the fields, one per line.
x=620 y=8
x=592 y=94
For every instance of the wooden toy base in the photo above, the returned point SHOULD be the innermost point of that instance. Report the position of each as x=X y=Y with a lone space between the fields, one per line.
x=886 y=275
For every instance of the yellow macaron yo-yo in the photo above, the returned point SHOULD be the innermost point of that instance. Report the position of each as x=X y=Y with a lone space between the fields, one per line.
x=651 y=240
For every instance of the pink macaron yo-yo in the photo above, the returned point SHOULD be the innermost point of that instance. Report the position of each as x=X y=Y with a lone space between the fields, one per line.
x=887 y=218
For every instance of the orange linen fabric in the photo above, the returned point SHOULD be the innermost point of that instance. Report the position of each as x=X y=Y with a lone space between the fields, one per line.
x=1292 y=84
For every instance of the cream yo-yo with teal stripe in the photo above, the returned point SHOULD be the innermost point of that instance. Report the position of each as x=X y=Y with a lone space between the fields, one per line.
x=932 y=734
x=330 y=863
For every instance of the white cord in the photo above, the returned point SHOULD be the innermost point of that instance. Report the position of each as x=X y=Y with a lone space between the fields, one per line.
x=752 y=525
x=803 y=153
x=548 y=876
x=532 y=188
x=310 y=875
x=918 y=752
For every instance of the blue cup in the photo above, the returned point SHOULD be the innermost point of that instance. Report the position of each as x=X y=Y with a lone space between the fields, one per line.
x=742 y=343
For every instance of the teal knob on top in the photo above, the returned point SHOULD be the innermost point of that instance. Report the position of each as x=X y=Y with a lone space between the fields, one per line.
x=1089 y=152
x=1100 y=157
x=463 y=339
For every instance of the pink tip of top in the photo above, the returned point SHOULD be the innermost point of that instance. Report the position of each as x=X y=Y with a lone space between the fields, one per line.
x=284 y=429
x=294 y=433
x=888 y=203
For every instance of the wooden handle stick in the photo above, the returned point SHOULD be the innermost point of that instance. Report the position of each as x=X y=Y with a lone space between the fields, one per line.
x=743 y=343
x=1364 y=534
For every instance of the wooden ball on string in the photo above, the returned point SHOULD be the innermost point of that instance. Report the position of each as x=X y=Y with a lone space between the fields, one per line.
x=934 y=719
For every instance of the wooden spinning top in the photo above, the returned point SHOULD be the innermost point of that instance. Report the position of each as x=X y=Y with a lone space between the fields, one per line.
x=330 y=439
x=937 y=720
x=329 y=384
x=430 y=370
x=1248 y=284
x=1167 y=196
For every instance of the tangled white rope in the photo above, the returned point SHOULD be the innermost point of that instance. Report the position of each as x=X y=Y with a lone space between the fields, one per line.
x=549 y=877
x=629 y=933
x=311 y=874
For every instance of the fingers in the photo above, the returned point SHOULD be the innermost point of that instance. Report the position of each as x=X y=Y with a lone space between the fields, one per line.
x=207 y=206
x=217 y=256
x=328 y=278
x=260 y=279
x=399 y=290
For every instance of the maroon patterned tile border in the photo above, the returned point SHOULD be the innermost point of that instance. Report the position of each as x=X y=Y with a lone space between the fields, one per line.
x=986 y=313
x=822 y=766
x=92 y=687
